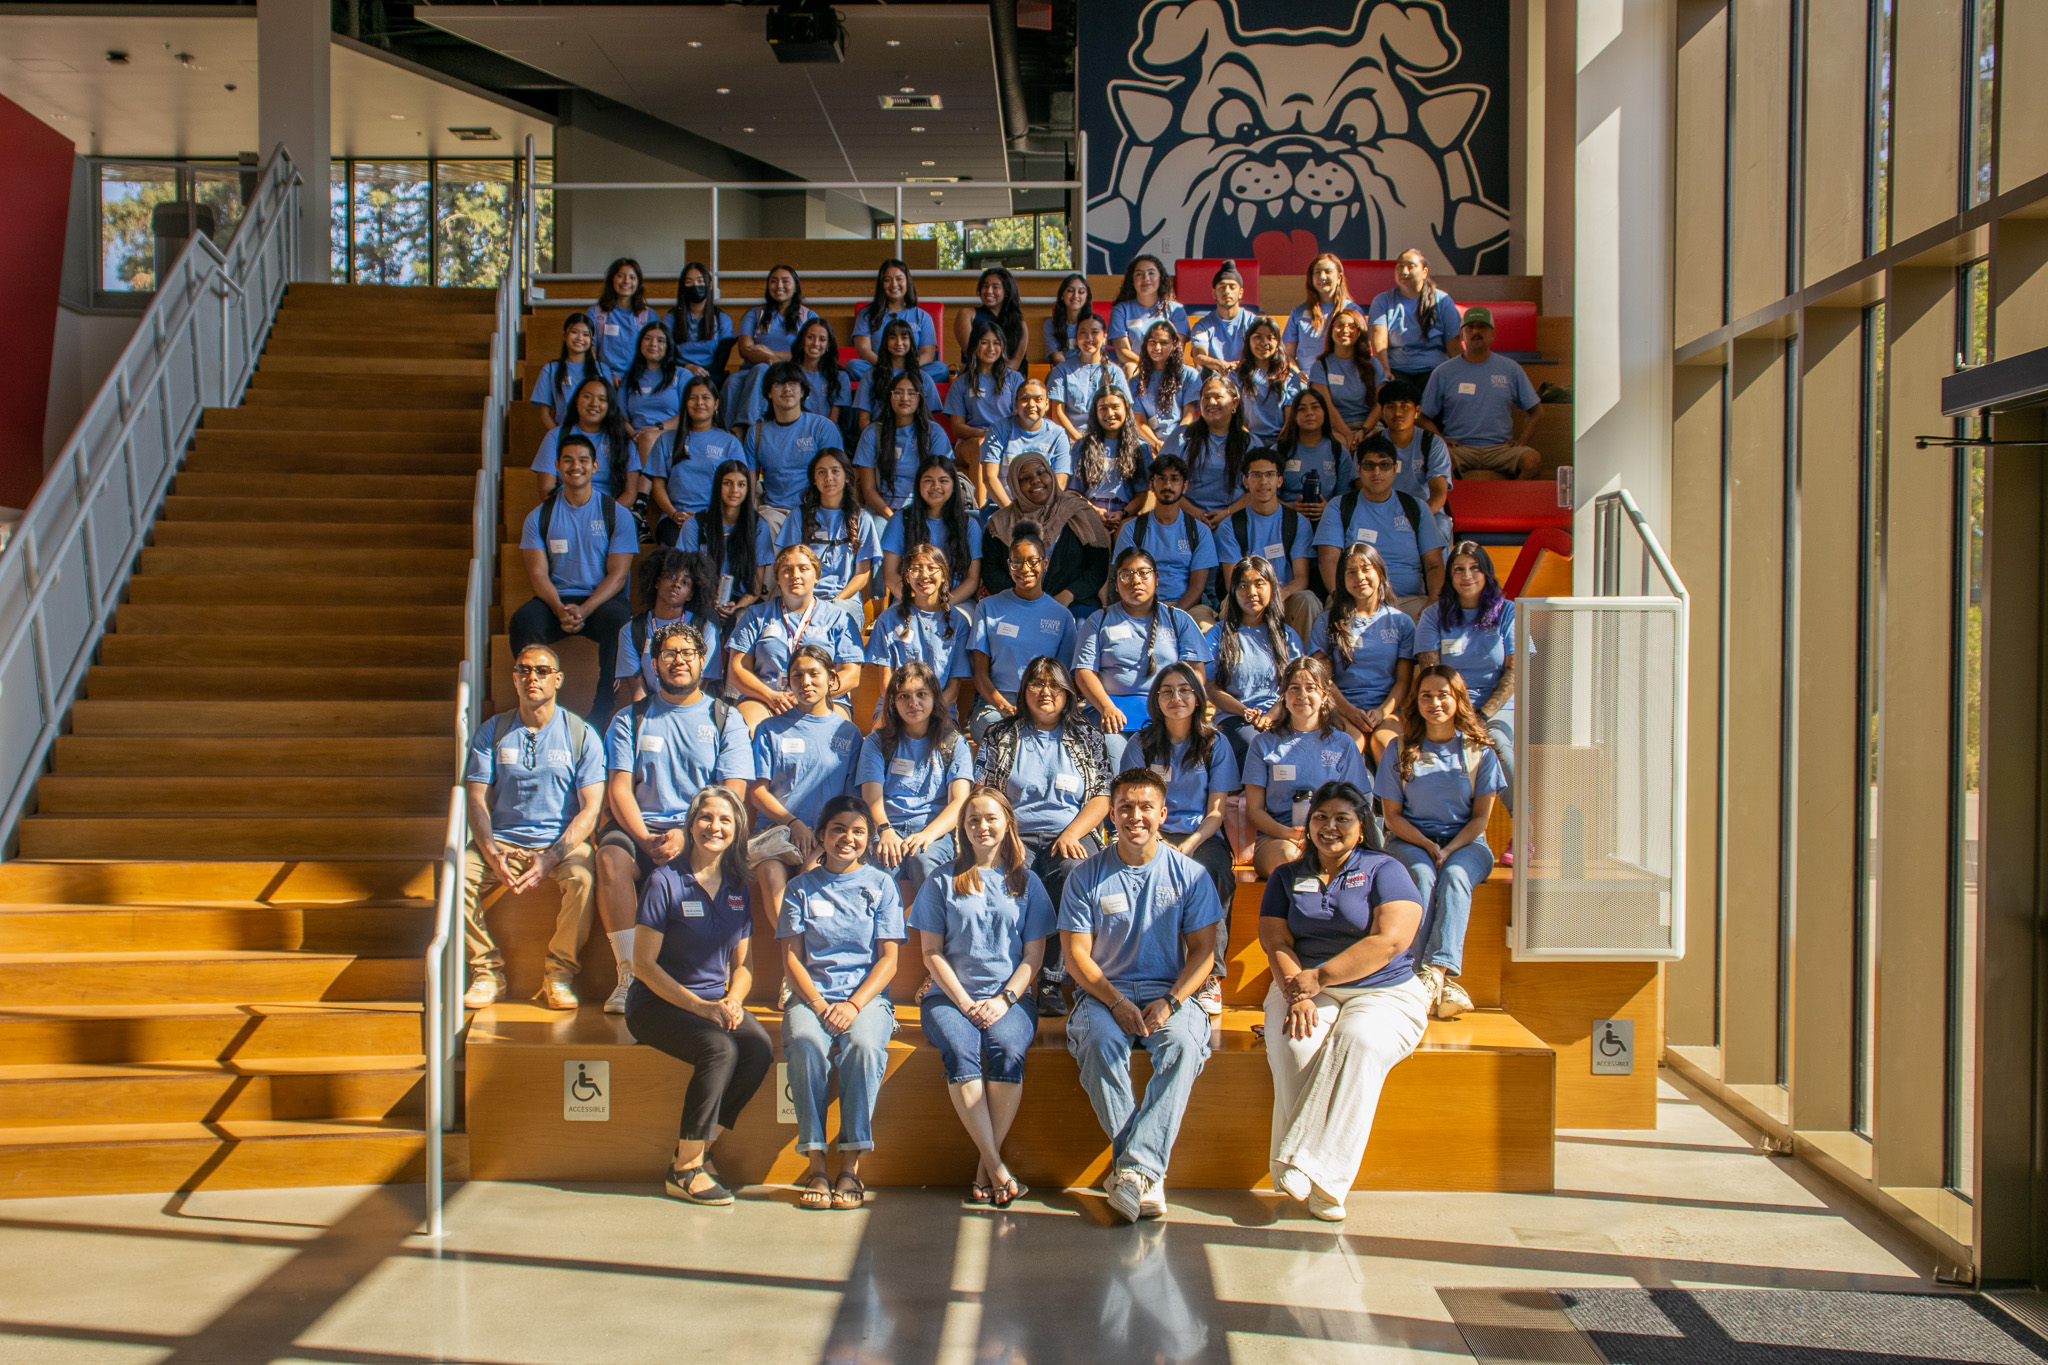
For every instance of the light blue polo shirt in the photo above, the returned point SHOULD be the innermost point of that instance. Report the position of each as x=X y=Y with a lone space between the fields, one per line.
x=843 y=919
x=1189 y=785
x=917 y=782
x=1283 y=762
x=576 y=543
x=1178 y=548
x=1008 y=439
x=903 y=634
x=783 y=454
x=1012 y=632
x=1378 y=643
x=535 y=777
x=983 y=933
x=1438 y=799
x=901 y=486
x=1254 y=678
x=1475 y=404
x=1113 y=645
x=680 y=751
x=1385 y=527
x=1138 y=914
x=805 y=761
x=689 y=474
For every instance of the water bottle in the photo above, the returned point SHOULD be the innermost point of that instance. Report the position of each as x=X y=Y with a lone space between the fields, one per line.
x=1312 y=486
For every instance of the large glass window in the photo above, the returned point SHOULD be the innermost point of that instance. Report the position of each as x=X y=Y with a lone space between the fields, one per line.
x=391 y=216
x=337 y=237
x=1977 y=137
x=130 y=193
x=1025 y=241
x=472 y=221
x=1878 y=180
x=1870 y=715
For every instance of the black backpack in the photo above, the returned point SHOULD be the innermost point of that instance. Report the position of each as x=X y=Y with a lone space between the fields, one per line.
x=720 y=711
x=1241 y=523
x=579 y=731
x=547 y=522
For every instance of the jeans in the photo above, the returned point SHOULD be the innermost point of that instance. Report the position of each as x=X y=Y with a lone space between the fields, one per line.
x=1053 y=870
x=970 y=1052
x=536 y=624
x=860 y=1057
x=1141 y=1132
x=919 y=868
x=1446 y=896
x=1502 y=731
x=726 y=1065
x=1219 y=862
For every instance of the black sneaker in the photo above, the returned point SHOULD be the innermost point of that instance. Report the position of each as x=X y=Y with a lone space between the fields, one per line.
x=1052 y=1001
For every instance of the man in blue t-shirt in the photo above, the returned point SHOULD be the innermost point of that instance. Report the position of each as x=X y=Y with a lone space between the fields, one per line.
x=659 y=752
x=1483 y=405
x=1398 y=526
x=1138 y=935
x=1181 y=546
x=579 y=547
x=535 y=778
x=783 y=444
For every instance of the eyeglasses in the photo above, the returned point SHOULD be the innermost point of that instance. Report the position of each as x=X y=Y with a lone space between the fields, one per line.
x=669 y=656
x=1032 y=563
x=1182 y=693
x=1378 y=465
x=1134 y=575
x=533 y=671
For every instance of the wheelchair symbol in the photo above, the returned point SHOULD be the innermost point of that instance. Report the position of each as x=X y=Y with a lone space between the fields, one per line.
x=584 y=1088
x=1610 y=1044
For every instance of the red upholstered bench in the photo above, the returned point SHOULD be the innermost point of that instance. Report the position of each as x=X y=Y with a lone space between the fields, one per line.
x=1506 y=506
x=1193 y=281
x=1367 y=280
x=1514 y=324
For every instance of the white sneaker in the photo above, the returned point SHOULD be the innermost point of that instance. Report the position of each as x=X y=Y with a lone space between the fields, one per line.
x=1210 y=998
x=1433 y=982
x=1127 y=1193
x=1153 y=1203
x=1322 y=1206
x=484 y=991
x=1452 y=1000
x=617 y=1004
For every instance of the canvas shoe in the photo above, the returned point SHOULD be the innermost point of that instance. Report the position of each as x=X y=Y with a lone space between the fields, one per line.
x=483 y=991
x=1153 y=1203
x=617 y=1004
x=1210 y=998
x=1452 y=1000
x=1433 y=982
x=557 y=995
x=1322 y=1206
x=1127 y=1193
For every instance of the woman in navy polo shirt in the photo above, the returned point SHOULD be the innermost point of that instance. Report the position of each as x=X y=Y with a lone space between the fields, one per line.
x=1123 y=648
x=981 y=925
x=692 y=968
x=1305 y=748
x=1369 y=646
x=1340 y=926
x=1437 y=784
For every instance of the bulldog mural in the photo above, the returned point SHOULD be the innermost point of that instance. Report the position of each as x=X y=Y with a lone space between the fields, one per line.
x=1234 y=133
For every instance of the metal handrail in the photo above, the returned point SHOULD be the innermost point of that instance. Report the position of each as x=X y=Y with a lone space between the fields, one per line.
x=179 y=362
x=1608 y=510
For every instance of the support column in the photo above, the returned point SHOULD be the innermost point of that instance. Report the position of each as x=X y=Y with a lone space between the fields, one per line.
x=1621 y=260
x=292 y=81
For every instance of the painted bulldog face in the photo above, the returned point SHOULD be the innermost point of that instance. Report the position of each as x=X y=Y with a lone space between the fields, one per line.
x=1244 y=133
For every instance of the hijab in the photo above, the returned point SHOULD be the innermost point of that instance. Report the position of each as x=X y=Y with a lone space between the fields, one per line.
x=1065 y=510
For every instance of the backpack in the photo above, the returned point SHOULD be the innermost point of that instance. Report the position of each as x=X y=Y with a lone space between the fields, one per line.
x=1241 y=523
x=720 y=712
x=547 y=522
x=1142 y=523
x=579 y=732
x=1348 y=504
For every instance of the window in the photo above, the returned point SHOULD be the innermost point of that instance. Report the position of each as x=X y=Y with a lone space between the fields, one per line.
x=1870 y=713
x=1028 y=241
x=129 y=194
x=472 y=221
x=1983 y=78
x=390 y=221
x=433 y=221
x=1877 y=228
x=337 y=235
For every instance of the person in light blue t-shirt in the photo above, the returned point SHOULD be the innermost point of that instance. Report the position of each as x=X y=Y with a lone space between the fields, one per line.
x=1471 y=627
x=683 y=461
x=578 y=546
x=803 y=757
x=846 y=537
x=1011 y=628
x=1124 y=647
x=895 y=446
x=1111 y=462
x=1369 y=645
x=596 y=415
x=766 y=337
x=981 y=395
x=1024 y=432
x=1166 y=390
x=914 y=772
x=1138 y=933
x=1349 y=378
x=841 y=928
x=1397 y=527
x=1266 y=383
x=1180 y=545
x=1218 y=339
x=1284 y=763
x=783 y=446
x=1144 y=300
x=535 y=779
x=1216 y=443
x=925 y=629
x=1424 y=473
x=1249 y=645
x=1086 y=372
x=1415 y=324
x=1484 y=405
x=555 y=386
x=897 y=347
x=770 y=632
x=675 y=590
x=1308 y=326
x=894 y=301
x=621 y=314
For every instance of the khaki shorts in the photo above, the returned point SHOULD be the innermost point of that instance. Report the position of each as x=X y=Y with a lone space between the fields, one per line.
x=1412 y=606
x=1284 y=849
x=1501 y=459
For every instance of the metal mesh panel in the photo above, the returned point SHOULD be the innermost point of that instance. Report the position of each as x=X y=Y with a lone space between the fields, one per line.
x=1599 y=778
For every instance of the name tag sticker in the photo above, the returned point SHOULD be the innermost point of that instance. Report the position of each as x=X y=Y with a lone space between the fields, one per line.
x=1368 y=536
x=1307 y=886
x=1275 y=550
x=509 y=754
x=1294 y=466
x=1120 y=631
x=653 y=744
x=901 y=767
x=1283 y=772
x=792 y=744
x=1115 y=903
x=693 y=909
x=1336 y=381
x=1006 y=630
x=1453 y=646
x=1468 y=388
x=560 y=547
x=1066 y=782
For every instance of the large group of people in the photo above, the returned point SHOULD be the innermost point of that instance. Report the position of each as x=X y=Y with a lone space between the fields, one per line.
x=1192 y=561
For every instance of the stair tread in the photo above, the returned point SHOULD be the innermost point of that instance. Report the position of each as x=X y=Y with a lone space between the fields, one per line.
x=336 y=1064
x=207 y=1009
x=210 y=1132
x=193 y=955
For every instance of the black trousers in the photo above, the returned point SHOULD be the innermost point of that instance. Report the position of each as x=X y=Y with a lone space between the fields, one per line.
x=1215 y=857
x=535 y=624
x=726 y=1066
x=1054 y=870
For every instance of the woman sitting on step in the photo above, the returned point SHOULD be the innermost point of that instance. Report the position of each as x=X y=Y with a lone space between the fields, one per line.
x=914 y=772
x=1283 y=766
x=1339 y=926
x=1437 y=784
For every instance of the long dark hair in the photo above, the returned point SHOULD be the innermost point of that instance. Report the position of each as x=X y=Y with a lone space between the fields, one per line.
x=1130 y=553
x=637 y=371
x=1450 y=612
x=1344 y=607
x=940 y=729
x=590 y=370
x=1064 y=327
x=1169 y=371
x=828 y=363
x=608 y=296
x=878 y=307
x=908 y=608
x=732 y=864
x=1464 y=719
x=1237 y=437
x=1093 y=457
x=1248 y=370
x=734 y=553
x=1016 y=862
x=1153 y=740
x=1046 y=665
x=667 y=560
x=1290 y=430
x=810 y=504
x=618 y=437
x=953 y=516
x=1127 y=292
x=679 y=449
x=970 y=364
x=1229 y=648
x=793 y=311
x=1009 y=313
x=687 y=328
x=921 y=429
x=883 y=377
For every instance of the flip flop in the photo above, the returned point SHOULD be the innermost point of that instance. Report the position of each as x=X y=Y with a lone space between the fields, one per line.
x=1009 y=1193
x=978 y=1197
x=815 y=1193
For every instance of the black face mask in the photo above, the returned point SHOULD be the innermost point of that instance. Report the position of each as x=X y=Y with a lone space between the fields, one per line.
x=694 y=293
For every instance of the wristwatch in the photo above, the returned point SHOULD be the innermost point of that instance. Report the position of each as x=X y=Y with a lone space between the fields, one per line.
x=1173 y=1004
x=1009 y=996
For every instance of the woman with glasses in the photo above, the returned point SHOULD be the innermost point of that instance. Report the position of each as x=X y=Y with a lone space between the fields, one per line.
x=1284 y=765
x=1122 y=650
x=1052 y=766
x=1199 y=770
x=1013 y=627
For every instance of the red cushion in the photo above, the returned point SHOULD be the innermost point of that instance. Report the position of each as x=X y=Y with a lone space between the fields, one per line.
x=1194 y=281
x=1367 y=280
x=1495 y=506
x=1514 y=323
x=846 y=353
x=937 y=312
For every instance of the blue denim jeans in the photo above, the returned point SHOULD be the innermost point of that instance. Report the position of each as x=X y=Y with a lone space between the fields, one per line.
x=920 y=868
x=1446 y=897
x=859 y=1056
x=973 y=1053
x=1502 y=733
x=1141 y=1132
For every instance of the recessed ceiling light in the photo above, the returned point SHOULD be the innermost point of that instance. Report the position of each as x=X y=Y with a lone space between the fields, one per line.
x=930 y=163
x=695 y=43
x=938 y=194
x=917 y=128
x=725 y=90
x=893 y=42
x=746 y=130
x=398 y=116
x=908 y=90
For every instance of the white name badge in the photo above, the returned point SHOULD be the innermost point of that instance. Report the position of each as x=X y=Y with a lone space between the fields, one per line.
x=1120 y=631
x=1468 y=388
x=560 y=547
x=1165 y=770
x=1307 y=886
x=693 y=909
x=653 y=744
x=1275 y=550
x=509 y=754
x=1368 y=536
x=1066 y=782
x=1294 y=466
x=902 y=767
x=1336 y=381
x=1006 y=630
x=792 y=744
x=1115 y=903
x=1454 y=646
x=1283 y=772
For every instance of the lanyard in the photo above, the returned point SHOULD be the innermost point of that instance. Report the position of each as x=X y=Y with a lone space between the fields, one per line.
x=796 y=637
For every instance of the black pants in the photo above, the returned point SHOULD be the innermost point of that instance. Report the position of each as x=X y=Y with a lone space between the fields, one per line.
x=535 y=624
x=1054 y=870
x=726 y=1066
x=1216 y=859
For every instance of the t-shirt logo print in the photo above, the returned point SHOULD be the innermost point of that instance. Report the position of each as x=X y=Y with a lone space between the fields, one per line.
x=1325 y=133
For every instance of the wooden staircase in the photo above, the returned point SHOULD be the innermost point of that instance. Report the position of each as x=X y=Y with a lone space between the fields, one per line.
x=210 y=945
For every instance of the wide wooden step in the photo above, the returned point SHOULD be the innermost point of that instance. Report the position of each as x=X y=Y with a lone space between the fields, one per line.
x=260 y=759
x=343 y=463
x=301 y=322
x=244 y=719
x=140 y=836
x=385 y=511
x=323 y=365
x=413 y=488
x=391 y=929
x=366 y=417
x=384 y=347
x=288 y=1088
x=448 y=536
x=384 y=300
x=180 y=619
x=200 y=881
x=227 y=1154
x=271 y=590
x=301 y=651
x=60 y=793
x=373 y=442
x=203 y=975
x=284 y=388
x=79 y=1034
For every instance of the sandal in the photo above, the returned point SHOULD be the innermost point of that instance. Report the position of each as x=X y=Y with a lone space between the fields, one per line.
x=849 y=1192
x=978 y=1197
x=816 y=1193
x=680 y=1180
x=1009 y=1192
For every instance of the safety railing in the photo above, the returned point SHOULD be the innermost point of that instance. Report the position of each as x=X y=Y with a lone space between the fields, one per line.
x=441 y=1027
x=63 y=573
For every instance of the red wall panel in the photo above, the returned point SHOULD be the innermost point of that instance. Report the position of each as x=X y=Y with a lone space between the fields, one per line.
x=35 y=195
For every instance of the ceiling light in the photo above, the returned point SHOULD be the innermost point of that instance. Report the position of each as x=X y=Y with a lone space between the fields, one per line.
x=746 y=130
x=909 y=90
x=398 y=116
x=928 y=163
x=893 y=42
x=938 y=194
x=475 y=134
x=116 y=57
x=911 y=101
x=695 y=43
x=725 y=90
x=917 y=128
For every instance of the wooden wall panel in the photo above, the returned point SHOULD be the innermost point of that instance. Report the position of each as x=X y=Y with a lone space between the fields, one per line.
x=1927 y=118
x=1836 y=114
x=2022 y=95
x=1700 y=183
x=1759 y=160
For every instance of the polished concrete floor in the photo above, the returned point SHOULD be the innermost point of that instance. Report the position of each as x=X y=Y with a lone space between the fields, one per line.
x=566 y=1275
